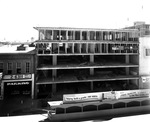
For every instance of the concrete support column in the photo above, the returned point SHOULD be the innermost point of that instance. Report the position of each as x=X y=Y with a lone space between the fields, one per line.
x=54 y=60
x=44 y=34
x=88 y=35
x=102 y=35
x=91 y=58
x=36 y=87
x=92 y=70
x=127 y=68
x=113 y=36
x=127 y=62
x=91 y=61
x=32 y=87
x=91 y=85
x=39 y=35
x=59 y=35
x=94 y=35
x=73 y=35
x=140 y=83
x=54 y=72
x=107 y=48
x=66 y=35
x=2 y=90
x=54 y=88
x=52 y=37
x=73 y=47
x=127 y=36
x=80 y=35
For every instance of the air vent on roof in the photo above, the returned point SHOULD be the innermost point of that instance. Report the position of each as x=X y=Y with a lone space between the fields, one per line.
x=32 y=45
x=21 y=47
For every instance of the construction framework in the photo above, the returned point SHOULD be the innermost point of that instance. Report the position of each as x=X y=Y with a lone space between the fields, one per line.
x=87 y=60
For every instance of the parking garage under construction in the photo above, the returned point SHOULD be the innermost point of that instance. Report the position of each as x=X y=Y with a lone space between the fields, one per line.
x=77 y=60
x=94 y=70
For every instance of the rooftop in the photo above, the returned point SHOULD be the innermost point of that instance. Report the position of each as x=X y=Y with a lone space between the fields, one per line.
x=12 y=49
x=83 y=29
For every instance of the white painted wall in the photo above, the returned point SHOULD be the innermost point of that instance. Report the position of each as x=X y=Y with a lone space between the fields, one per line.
x=144 y=61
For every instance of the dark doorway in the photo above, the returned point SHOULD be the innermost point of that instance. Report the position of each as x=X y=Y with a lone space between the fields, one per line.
x=15 y=89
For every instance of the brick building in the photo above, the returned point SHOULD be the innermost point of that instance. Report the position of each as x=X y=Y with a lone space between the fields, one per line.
x=17 y=70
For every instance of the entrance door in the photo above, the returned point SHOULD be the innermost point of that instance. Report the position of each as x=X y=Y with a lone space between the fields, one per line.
x=13 y=89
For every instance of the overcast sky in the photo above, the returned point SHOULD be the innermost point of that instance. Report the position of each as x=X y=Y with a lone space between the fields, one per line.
x=18 y=17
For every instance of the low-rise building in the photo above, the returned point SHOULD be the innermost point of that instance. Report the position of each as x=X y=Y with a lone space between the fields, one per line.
x=17 y=70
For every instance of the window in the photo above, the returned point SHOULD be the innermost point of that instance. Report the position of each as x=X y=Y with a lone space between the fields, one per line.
x=18 y=68
x=27 y=67
x=9 y=68
x=147 y=52
x=1 y=67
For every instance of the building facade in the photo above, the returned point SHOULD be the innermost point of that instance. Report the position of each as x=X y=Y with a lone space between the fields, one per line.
x=81 y=60
x=142 y=27
x=144 y=61
x=17 y=71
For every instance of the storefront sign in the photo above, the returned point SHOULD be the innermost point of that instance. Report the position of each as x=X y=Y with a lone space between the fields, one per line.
x=82 y=97
x=132 y=93
x=15 y=77
x=109 y=95
x=17 y=83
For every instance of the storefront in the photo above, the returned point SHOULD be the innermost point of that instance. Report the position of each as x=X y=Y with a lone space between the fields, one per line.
x=18 y=85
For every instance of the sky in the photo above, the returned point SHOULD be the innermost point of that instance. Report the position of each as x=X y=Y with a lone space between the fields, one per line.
x=18 y=17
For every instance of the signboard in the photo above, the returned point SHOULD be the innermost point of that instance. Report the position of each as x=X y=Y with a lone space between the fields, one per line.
x=109 y=95
x=82 y=97
x=17 y=83
x=132 y=93
x=17 y=77
x=55 y=103
x=106 y=96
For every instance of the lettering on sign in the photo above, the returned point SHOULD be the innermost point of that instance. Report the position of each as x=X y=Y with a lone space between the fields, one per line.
x=17 y=83
x=132 y=94
x=82 y=97
x=15 y=77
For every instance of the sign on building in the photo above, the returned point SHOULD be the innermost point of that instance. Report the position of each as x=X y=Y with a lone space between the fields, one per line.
x=15 y=77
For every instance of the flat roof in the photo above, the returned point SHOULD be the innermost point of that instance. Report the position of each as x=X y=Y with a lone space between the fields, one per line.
x=12 y=49
x=84 y=29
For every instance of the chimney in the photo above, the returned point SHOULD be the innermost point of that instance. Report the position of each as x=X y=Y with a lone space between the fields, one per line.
x=21 y=48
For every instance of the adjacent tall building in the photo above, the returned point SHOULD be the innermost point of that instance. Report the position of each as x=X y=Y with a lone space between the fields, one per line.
x=142 y=27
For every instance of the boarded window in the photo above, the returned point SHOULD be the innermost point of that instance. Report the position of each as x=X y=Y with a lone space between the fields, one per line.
x=18 y=68
x=27 y=67
x=9 y=68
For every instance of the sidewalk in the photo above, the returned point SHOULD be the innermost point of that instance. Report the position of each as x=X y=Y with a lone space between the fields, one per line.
x=22 y=106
